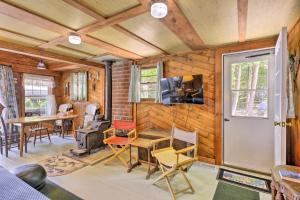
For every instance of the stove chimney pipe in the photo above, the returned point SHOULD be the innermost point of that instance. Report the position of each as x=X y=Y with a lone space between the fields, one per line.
x=108 y=90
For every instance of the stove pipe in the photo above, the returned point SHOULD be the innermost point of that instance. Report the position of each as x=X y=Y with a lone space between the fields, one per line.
x=108 y=90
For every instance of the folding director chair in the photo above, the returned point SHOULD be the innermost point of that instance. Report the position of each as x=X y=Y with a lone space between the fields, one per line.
x=130 y=134
x=172 y=162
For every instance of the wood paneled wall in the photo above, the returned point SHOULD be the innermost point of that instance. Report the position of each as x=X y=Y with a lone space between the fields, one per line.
x=186 y=116
x=96 y=96
x=294 y=48
x=24 y=64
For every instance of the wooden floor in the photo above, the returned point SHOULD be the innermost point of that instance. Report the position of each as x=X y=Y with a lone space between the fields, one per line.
x=112 y=181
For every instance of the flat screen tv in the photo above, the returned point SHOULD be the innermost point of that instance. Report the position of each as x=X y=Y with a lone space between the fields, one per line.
x=182 y=89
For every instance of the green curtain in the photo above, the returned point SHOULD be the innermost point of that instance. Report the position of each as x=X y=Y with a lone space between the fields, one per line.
x=160 y=74
x=79 y=86
x=134 y=87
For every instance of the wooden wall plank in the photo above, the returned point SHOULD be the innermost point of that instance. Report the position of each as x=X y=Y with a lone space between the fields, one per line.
x=186 y=116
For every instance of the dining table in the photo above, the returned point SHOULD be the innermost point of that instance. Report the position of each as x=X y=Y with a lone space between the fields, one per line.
x=22 y=122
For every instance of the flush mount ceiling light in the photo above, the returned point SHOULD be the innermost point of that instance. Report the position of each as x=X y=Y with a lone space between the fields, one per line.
x=74 y=38
x=159 y=9
x=41 y=65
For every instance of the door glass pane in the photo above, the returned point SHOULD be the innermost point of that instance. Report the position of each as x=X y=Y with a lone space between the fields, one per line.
x=249 y=89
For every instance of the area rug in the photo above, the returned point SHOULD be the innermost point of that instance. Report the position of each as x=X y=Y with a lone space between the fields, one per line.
x=245 y=180
x=61 y=165
x=91 y=159
x=54 y=191
x=227 y=191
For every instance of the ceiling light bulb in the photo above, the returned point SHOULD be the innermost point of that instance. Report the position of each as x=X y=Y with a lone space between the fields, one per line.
x=159 y=10
x=74 y=38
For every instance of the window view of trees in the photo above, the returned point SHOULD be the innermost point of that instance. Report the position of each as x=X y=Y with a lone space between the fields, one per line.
x=36 y=92
x=148 y=83
x=249 y=86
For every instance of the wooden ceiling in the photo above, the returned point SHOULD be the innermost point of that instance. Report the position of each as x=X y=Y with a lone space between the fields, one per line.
x=125 y=29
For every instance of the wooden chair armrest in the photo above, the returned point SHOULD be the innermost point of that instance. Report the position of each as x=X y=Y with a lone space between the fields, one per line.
x=155 y=142
x=186 y=162
x=184 y=150
x=132 y=132
x=108 y=130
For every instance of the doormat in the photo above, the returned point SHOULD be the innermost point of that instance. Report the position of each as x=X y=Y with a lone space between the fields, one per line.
x=226 y=191
x=61 y=165
x=245 y=180
x=54 y=191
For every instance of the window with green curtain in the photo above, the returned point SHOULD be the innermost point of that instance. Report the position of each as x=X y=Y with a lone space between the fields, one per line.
x=79 y=86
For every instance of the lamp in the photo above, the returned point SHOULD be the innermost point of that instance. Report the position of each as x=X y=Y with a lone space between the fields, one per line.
x=41 y=65
x=74 y=38
x=159 y=9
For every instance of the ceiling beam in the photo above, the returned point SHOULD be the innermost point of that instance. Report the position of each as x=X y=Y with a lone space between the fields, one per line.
x=39 y=53
x=54 y=42
x=178 y=23
x=137 y=38
x=115 y=19
x=242 y=19
x=111 y=48
x=63 y=67
x=25 y=16
x=88 y=11
x=30 y=18
x=42 y=41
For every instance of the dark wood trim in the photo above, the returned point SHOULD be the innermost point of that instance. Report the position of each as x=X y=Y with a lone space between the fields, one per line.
x=237 y=47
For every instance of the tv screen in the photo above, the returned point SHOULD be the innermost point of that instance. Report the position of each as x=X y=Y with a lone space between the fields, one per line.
x=182 y=89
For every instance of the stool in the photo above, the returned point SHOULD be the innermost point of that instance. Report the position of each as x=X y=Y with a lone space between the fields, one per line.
x=33 y=174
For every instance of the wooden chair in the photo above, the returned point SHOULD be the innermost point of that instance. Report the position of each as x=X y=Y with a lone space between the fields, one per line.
x=116 y=141
x=172 y=162
x=62 y=110
x=9 y=139
x=38 y=129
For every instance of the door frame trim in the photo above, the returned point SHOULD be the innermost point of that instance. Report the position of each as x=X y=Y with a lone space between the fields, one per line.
x=237 y=47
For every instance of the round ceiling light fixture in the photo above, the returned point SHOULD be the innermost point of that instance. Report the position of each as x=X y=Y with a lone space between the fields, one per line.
x=74 y=38
x=159 y=9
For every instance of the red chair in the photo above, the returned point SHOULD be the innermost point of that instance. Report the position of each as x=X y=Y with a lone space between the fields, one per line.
x=113 y=141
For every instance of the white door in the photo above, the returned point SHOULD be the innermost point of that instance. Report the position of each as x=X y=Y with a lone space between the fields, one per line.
x=248 y=103
x=281 y=66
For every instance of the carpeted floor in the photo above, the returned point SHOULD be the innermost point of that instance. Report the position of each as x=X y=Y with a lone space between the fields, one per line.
x=226 y=191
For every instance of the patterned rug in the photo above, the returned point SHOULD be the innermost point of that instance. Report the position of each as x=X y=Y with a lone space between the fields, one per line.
x=61 y=165
x=91 y=159
x=245 y=180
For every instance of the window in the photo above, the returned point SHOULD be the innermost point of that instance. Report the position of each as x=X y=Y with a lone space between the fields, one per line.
x=37 y=89
x=148 y=83
x=79 y=86
x=249 y=89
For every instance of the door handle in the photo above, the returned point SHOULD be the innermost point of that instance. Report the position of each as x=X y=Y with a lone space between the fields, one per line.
x=283 y=124
x=226 y=119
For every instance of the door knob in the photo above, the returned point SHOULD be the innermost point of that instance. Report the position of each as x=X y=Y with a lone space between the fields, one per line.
x=226 y=119
x=277 y=123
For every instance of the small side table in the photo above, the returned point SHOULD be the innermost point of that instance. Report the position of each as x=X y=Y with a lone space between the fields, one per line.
x=146 y=144
x=284 y=189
